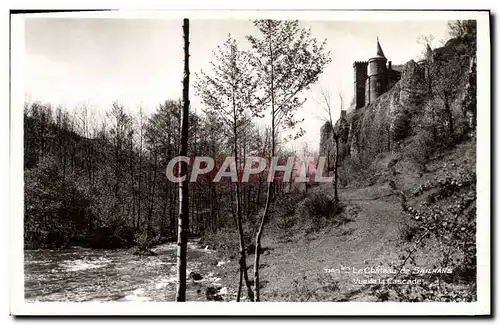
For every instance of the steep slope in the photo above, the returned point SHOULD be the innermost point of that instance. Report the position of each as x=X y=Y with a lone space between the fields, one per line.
x=300 y=262
x=434 y=94
x=409 y=154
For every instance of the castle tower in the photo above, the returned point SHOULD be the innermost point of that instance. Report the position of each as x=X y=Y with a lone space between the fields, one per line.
x=360 y=75
x=376 y=83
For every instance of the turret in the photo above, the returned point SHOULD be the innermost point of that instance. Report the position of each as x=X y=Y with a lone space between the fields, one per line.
x=376 y=83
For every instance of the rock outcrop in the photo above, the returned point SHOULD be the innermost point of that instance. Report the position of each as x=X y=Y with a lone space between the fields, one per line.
x=413 y=103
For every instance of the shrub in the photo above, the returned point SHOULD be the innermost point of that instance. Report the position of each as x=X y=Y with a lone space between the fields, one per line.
x=320 y=204
x=421 y=149
x=56 y=209
x=319 y=208
x=449 y=222
x=462 y=28
x=408 y=232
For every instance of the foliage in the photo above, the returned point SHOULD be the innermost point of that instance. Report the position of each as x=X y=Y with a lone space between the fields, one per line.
x=287 y=60
x=225 y=241
x=446 y=222
x=356 y=170
x=319 y=209
x=103 y=184
x=54 y=206
x=421 y=149
x=287 y=218
x=230 y=92
x=462 y=28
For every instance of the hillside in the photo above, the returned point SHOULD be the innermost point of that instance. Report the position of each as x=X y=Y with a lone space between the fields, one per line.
x=407 y=199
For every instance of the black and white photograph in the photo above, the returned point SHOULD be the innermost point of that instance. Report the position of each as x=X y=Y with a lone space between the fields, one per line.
x=250 y=159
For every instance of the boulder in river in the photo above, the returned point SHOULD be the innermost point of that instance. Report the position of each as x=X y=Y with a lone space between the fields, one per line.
x=195 y=276
x=212 y=294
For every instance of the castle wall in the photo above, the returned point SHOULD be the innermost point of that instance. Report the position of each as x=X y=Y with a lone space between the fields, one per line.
x=392 y=77
x=372 y=78
x=360 y=74
x=367 y=91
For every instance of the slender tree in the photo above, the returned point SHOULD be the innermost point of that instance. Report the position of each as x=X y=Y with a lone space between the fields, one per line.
x=325 y=102
x=140 y=152
x=229 y=94
x=182 y=234
x=287 y=61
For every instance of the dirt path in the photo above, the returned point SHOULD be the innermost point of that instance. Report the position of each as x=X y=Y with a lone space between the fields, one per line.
x=369 y=240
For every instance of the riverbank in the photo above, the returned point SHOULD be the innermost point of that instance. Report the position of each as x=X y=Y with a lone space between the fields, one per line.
x=80 y=274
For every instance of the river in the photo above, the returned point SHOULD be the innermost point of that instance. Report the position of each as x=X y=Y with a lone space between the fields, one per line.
x=80 y=274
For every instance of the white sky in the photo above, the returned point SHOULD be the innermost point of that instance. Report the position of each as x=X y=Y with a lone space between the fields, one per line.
x=74 y=61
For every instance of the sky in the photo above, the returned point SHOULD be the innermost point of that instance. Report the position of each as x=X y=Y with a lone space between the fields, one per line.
x=139 y=62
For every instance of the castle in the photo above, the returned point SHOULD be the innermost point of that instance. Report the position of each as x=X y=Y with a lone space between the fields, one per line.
x=372 y=78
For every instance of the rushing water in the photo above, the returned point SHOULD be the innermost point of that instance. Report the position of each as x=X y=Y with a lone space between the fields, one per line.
x=80 y=274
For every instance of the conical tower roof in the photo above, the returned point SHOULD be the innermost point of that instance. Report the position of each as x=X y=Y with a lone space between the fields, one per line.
x=380 y=53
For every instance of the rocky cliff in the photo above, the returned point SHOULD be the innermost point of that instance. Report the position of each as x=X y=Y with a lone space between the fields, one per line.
x=435 y=95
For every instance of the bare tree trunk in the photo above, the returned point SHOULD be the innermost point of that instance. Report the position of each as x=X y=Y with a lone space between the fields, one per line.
x=259 y=191
x=335 y=181
x=151 y=202
x=141 y=126
x=258 y=242
x=248 y=205
x=269 y=189
x=182 y=232
x=243 y=258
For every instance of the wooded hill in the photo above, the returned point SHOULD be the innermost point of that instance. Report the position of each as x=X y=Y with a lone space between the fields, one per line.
x=103 y=185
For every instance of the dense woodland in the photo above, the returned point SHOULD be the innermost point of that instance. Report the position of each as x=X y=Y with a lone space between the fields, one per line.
x=104 y=185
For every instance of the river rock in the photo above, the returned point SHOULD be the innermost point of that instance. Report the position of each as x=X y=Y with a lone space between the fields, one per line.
x=212 y=294
x=222 y=263
x=195 y=276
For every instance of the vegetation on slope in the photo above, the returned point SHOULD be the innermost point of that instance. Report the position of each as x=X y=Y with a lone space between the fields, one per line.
x=408 y=194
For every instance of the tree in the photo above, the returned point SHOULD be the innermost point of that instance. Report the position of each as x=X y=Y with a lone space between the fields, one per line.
x=325 y=102
x=163 y=131
x=229 y=94
x=462 y=28
x=287 y=61
x=182 y=235
x=120 y=131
